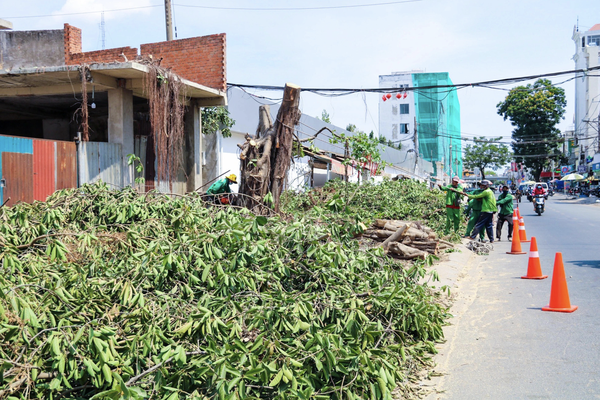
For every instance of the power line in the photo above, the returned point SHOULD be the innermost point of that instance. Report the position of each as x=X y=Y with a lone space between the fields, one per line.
x=343 y=92
x=83 y=12
x=224 y=8
x=298 y=8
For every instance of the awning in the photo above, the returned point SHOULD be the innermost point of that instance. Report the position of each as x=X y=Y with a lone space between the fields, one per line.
x=548 y=174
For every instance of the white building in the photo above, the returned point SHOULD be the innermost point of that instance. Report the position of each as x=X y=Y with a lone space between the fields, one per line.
x=587 y=89
x=397 y=113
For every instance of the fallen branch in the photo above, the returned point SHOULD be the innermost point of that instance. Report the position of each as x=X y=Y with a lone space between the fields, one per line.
x=395 y=236
x=157 y=366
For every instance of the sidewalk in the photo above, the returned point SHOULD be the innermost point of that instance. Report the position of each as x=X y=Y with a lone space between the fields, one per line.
x=459 y=274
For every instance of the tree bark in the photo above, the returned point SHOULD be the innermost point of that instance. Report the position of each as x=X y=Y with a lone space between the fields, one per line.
x=265 y=158
x=287 y=118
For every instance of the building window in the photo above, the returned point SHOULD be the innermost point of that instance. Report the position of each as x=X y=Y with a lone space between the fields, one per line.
x=593 y=40
x=395 y=131
x=403 y=128
x=394 y=109
x=403 y=108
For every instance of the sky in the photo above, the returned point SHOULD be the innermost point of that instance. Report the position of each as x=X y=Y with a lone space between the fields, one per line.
x=349 y=47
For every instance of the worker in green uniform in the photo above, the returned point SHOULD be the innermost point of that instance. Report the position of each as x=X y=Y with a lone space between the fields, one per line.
x=221 y=187
x=488 y=208
x=505 y=201
x=475 y=207
x=452 y=204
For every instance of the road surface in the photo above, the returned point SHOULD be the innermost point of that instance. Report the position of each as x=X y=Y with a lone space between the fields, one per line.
x=500 y=344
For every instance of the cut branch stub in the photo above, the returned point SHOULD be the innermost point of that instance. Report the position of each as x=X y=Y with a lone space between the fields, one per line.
x=266 y=158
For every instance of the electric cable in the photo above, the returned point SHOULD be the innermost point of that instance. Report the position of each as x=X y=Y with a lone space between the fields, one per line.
x=297 y=8
x=343 y=92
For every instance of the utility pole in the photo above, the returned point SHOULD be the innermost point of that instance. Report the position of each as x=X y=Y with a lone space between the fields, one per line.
x=416 y=139
x=598 y=132
x=169 y=20
x=450 y=162
x=416 y=146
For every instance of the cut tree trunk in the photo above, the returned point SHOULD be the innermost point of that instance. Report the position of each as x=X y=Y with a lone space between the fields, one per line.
x=395 y=237
x=265 y=158
x=287 y=118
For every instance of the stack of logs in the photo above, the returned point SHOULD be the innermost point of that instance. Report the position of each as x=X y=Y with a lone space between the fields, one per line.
x=406 y=240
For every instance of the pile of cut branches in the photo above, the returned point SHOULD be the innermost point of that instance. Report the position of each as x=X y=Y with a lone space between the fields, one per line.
x=348 y=204
x=116 y=295
x=407 y=240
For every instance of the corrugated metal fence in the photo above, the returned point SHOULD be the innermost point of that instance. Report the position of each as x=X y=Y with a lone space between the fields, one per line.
x=100 y=161
x=32 y=169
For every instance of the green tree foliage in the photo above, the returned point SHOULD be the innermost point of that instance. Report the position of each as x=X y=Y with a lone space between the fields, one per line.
x=216 y=119
x=363 y=149
x=535 y=110
x=110 y=294
x=325 y=117
x=486 y=154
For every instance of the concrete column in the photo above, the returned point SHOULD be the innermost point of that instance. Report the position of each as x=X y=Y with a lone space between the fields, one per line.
x=193 y=148
x=120 y=128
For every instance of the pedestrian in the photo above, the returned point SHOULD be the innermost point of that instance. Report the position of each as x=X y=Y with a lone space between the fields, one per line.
x=452 y=204
x=474 y=206
x=505 y=201
x=221 y=188
x=488 y=208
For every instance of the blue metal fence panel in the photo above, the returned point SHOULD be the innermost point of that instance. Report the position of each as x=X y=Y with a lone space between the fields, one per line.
x=10 y=144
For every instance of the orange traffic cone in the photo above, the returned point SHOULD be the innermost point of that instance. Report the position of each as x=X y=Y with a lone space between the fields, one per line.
x=516 y=243
x=559 y=294
x=534 y=269
x=522 y=233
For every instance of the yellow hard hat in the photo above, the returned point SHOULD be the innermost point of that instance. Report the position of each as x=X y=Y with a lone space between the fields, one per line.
x=232 y=178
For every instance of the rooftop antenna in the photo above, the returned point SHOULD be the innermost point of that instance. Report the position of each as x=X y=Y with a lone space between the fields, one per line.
x=103 y=31
x=578 y=23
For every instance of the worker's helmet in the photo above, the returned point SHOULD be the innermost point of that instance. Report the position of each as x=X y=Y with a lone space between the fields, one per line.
x=232 y=178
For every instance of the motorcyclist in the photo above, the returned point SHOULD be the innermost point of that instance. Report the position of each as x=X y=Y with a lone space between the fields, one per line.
x=538 y=190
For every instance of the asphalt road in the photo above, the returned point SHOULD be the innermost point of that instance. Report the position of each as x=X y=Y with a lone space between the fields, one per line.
x=500 y=344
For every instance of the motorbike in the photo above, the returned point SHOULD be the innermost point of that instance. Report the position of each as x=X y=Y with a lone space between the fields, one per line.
x=517 y=195
x=539 y=203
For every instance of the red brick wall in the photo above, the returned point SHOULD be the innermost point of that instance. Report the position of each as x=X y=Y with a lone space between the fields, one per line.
x=72 y=41
x=200 y=59
x=104 y=56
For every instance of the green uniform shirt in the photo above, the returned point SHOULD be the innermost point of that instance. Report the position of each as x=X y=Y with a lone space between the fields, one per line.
x=505 y=201
x=489 y=200
x=476 y=203
x=452 y=198
x=220 y=186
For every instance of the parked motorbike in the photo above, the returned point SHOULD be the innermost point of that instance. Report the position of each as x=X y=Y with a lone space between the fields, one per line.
x=539 y=203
